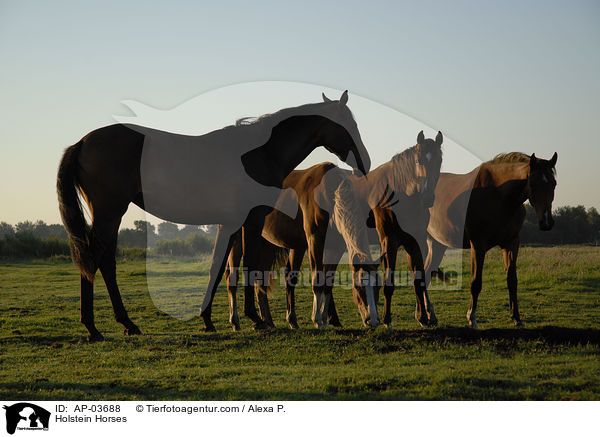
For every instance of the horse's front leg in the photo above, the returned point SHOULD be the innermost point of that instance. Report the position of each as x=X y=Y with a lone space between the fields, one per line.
x=221 y=250
x=292 y=274
x=390 y=251
x=510 y=253
x=251 y=232
x=424 y=312
x=320 y=299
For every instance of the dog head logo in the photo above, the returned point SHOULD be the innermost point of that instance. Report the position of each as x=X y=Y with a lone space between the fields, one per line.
x=26 y=416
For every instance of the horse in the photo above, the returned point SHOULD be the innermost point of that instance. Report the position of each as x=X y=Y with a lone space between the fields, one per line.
x=326 y=224
x=483 y=209
x=394 y=198
x=231 y=176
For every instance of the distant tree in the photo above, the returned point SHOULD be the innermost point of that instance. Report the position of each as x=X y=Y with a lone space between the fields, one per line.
x=168 y=231
x=6 y=230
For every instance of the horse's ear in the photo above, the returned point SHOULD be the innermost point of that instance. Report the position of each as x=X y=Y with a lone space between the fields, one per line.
x=553 y=159
x=344 y=98
x=421 y=138
x=439 y=139
x=532 y=160
x=325 y=98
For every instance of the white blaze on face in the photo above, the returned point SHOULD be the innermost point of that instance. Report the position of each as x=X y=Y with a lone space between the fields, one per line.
x=428 y=156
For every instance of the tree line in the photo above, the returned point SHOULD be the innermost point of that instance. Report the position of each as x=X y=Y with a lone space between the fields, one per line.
x=573 y=225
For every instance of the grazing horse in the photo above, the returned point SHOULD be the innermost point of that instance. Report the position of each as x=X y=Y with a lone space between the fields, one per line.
x=328 y=222
x=483 y=209
x=231 y=176
x=394 y=198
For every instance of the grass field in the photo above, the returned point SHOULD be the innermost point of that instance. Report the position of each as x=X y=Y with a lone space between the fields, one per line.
x=555 y=356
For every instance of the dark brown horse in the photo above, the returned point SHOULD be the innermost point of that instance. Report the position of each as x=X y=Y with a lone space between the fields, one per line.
x=394 y=198
x=232 y=176
x=326 y=225
x=483 y=209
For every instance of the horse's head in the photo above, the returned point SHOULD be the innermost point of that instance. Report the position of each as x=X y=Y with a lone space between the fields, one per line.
x=342 y=138
x=365 y=289
x=540 y=185
x=428 y=161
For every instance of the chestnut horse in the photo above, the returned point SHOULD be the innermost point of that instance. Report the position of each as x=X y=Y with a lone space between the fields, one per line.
x=394 y=198
x=483 y=209
x=232 y=176
x=326 y=224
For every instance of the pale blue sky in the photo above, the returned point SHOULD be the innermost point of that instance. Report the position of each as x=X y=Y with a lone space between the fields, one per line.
x=494 y=77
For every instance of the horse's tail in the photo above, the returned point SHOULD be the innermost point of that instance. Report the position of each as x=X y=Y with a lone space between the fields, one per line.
x=72 y=213
x=280 y=258
x=346 y=217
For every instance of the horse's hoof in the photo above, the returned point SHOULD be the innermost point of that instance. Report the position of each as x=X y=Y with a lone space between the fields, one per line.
x=210 y=328
x=388 y=324
x=423 y=321
x=293 y=324
x=335 y=322
x=132 y=330
x=372 y=325
x=518 y=323
x=235 y=327
x=261 y=326
x=433 y=321
x=473 y=324
x=93 y=337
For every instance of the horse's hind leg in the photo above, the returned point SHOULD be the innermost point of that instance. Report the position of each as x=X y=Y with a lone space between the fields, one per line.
x=107 y=233
x=87 y=309
x=232 y=278
x=223 y=243
x=477 y=260
x=435 y=254
x=251 y=235
x=510 y=253
x=292 y=274
x=424 y=312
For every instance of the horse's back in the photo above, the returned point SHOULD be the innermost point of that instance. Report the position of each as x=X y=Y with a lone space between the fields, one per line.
x=449 y=211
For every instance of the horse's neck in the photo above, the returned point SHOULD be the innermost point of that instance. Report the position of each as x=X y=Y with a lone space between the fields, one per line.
x=292 y=141
x=510 y=180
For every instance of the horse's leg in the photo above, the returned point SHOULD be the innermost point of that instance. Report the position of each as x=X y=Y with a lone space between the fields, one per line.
x=251 y=235
x=232 y=278
x=424 y=308
x=390 y=251
x=435 y=254
x=267 y=254
x=477 y=260
x=87 y=309
x=510 y=253
x=292 y=273
x=107 y=232
x=330 y=270
x=320 y=301
x=221 y=249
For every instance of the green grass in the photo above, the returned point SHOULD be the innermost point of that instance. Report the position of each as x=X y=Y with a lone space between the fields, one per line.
x=556 y=355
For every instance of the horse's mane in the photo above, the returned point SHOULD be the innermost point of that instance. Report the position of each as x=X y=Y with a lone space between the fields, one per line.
x=508 y=158
x=403 y=165
x=275 y=117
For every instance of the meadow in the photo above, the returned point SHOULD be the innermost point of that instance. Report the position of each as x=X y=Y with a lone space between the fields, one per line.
x=555 y=356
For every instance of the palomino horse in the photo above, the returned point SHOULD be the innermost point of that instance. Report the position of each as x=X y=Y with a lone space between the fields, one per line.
x=232 y=176
x=327 y=223
x=395 y=197
x=483 y=209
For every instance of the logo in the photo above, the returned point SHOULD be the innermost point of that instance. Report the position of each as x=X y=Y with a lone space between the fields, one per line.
x=26 y=416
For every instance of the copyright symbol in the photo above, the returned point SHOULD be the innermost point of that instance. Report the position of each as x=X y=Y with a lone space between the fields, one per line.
x=139 y=408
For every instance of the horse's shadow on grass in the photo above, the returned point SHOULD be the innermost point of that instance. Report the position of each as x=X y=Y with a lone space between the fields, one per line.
x=552 y=335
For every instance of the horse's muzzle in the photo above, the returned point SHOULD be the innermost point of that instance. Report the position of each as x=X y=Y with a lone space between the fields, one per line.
x=546 y=224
